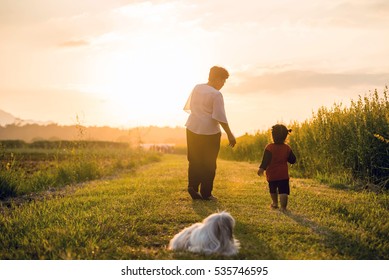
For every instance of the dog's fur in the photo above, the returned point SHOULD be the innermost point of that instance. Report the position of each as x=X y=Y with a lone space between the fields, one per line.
x=213 y=236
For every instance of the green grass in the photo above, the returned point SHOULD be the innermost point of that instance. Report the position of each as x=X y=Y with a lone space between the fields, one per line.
x=24 y=171
x=135 y=215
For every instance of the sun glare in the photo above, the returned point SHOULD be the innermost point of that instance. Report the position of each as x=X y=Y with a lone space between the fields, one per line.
x=149 y=85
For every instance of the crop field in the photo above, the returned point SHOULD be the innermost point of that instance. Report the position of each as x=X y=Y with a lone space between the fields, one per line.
x=342 y=146
x=47 y=165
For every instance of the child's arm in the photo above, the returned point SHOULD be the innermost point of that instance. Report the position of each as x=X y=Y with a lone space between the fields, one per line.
x=265 y=162
x=292 y=157
x=260 y=171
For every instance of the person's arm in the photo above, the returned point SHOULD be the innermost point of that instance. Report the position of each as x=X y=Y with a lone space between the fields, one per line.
x=291 y=158
x=231 y=137
x=267 y=155
x=260 y=171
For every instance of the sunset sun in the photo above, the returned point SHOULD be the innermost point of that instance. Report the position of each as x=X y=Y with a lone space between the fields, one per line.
x=148 y=82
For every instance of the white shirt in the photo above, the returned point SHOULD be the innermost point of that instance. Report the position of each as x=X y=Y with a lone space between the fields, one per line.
x=206 y=107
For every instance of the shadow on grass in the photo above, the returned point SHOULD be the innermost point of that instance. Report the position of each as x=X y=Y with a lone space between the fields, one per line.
x=345 y=246
x=342 y=187
x=252 y=247
x=204 y=208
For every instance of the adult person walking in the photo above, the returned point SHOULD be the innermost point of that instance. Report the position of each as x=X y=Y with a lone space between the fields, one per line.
x=206 y=107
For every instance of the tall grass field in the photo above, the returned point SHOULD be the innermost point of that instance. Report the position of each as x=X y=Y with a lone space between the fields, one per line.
x=27 y=168
x=134 y=215
x=344 y=146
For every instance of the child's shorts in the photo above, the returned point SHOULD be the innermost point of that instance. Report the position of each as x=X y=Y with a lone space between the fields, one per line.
x=282 y=186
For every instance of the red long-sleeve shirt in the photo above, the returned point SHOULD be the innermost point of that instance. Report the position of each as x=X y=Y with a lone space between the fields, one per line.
x=275 y=161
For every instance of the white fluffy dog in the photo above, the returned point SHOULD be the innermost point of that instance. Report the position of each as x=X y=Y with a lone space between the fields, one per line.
x=213 y=235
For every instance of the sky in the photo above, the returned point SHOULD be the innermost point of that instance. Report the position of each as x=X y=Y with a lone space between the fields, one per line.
x=133 y=63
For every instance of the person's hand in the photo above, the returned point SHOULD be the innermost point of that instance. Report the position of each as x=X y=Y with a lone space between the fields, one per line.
x=260 y=171
x=232 y=140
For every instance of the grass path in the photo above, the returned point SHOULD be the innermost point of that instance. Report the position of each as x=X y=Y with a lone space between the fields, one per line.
x=135 y=215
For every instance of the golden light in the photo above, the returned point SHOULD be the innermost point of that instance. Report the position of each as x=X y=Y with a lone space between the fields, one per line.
x=149 y=84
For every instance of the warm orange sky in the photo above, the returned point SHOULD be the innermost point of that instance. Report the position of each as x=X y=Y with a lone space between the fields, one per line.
x=130 y=63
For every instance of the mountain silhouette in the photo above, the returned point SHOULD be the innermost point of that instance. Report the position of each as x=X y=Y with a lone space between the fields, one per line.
x=13 y=128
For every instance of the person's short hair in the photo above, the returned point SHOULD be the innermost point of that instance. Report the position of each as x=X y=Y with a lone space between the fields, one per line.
x=279 y=133
x=217 y=72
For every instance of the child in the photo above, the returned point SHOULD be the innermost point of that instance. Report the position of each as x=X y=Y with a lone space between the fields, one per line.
x=275 y=161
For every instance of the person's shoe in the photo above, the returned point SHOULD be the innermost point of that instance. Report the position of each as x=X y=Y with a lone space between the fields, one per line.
x=194 y=194
x=272 y=206
x=211 y=198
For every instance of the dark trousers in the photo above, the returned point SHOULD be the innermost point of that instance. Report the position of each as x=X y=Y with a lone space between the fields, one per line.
x=202 y=154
